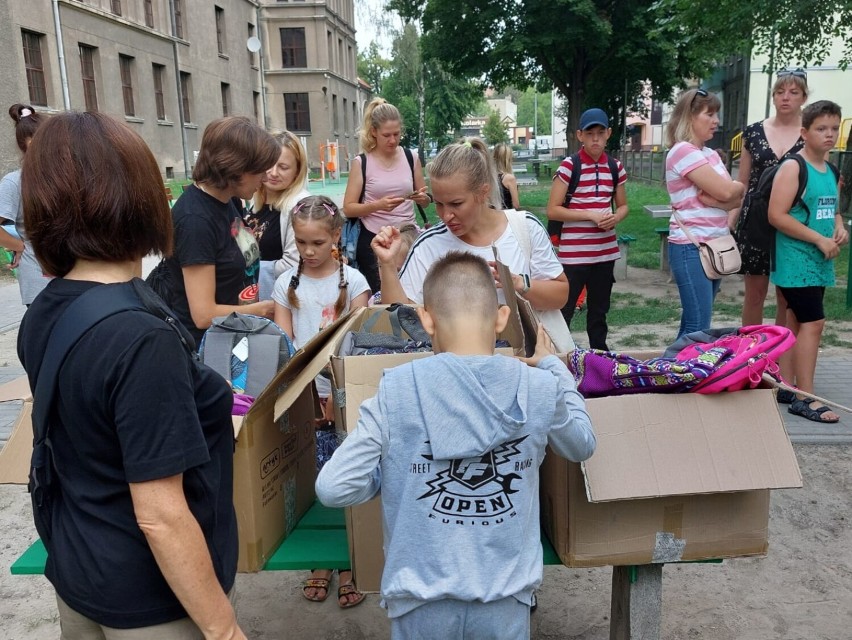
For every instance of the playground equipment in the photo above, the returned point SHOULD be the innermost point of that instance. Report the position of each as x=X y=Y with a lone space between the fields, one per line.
x=329 y=161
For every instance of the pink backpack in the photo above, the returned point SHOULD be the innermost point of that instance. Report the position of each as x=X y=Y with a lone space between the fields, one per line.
x=754 y=351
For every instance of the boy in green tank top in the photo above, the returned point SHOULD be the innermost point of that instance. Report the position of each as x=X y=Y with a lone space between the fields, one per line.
x=810 y=234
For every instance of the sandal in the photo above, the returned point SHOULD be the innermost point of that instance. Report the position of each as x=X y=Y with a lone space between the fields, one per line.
x=348 y=590
x=316 y=583
x=803 y=408
x=785 y=397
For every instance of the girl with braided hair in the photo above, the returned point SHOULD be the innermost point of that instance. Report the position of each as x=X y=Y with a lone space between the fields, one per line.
x=308 y=298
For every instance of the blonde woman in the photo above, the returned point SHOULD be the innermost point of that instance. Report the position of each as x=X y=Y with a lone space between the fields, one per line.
x=702 y=193
x=271 y=209
x=464 y=185
x=765 y=144
x=508 y=182
x=394 y=182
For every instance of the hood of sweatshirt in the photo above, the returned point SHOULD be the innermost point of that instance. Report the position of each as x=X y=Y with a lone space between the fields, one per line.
x=496 y=390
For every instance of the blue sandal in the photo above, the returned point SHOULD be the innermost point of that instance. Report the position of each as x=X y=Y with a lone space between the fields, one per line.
x=785 y=397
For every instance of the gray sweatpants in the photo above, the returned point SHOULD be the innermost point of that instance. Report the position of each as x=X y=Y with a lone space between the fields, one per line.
x=505 y=619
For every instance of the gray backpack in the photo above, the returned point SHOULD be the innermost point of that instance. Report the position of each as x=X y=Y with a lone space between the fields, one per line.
x=246 y=350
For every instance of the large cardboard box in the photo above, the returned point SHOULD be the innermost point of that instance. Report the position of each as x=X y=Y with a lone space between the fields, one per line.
x=674 y=477
x=16 y=453
x=274 y=456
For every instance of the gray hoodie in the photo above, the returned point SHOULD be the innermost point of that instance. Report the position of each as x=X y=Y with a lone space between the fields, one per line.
x=454 y=443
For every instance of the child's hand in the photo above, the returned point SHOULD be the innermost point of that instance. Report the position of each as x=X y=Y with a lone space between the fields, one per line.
x=543 y=348
x=607 y=221
x=841 y=235
x=387 y=245
x=830 y=249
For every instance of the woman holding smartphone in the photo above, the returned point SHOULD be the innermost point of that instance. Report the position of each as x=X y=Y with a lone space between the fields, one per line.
x=394 y=182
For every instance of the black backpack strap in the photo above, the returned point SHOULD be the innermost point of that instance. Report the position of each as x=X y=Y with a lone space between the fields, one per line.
x=576 y=170
x=613 y=169
x=363 y=157
x=410 y=157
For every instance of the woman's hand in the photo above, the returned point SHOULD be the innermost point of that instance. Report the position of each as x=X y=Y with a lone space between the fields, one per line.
x=420 y=197
x=517 y=281
x=388 y=203
x=387 y=245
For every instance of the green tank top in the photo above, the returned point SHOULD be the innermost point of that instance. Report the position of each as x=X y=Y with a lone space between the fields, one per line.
x=799 y=263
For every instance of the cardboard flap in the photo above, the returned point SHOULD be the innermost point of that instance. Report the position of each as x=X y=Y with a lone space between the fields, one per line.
x=652 y=445
x=306 y=364
x=17 y=389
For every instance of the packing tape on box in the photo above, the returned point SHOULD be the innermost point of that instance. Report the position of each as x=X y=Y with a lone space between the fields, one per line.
x=339 y=397
x=669 y=543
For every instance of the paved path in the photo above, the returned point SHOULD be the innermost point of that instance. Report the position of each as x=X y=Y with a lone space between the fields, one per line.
x=833 y=381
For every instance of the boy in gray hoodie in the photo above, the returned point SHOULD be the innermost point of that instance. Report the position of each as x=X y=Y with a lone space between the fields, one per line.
x=454 y=443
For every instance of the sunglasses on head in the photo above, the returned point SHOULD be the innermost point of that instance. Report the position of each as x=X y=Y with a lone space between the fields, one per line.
x=798 y=72
x=698 y=92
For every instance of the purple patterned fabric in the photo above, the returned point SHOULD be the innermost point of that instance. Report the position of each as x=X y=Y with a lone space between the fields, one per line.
x=605 y=373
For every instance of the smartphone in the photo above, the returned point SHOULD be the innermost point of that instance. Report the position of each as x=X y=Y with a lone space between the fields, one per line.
x=411 y=195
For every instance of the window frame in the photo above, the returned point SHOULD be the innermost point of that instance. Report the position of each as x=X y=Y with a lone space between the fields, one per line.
x=294 y=52
x=34 y=68
x=298 y=120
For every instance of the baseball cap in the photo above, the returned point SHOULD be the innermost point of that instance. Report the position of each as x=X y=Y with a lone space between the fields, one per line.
x=593 y=117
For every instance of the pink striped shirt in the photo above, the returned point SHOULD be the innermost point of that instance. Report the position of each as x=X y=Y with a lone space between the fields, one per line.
x=582 y=242
x=704 y=223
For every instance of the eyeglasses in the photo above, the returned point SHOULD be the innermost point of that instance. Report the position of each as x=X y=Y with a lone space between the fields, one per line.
x=798 y=72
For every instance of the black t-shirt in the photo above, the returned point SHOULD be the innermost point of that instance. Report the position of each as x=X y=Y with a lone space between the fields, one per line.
x=266 y=225
x=205 y=230
x=131 y=406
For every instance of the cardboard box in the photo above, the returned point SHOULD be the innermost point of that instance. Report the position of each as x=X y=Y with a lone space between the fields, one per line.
x=16 y=453
x=274 y=457
x=674 y=477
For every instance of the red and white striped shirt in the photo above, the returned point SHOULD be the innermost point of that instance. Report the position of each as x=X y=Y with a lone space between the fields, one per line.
x=582 y=242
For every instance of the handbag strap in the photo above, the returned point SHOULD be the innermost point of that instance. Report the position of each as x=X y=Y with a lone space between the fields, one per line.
x=685 y=230
x=518 y=223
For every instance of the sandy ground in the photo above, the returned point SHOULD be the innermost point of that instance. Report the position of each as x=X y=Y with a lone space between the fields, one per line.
x=801 y=591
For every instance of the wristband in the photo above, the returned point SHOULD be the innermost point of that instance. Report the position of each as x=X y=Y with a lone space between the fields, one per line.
x=527 y=283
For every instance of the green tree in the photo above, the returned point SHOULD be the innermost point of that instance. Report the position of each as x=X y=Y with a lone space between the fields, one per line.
x=495 y=130
x=595 y=52
x=527 y=111
x=789 y=31
x=432 y=100
x=373 y=68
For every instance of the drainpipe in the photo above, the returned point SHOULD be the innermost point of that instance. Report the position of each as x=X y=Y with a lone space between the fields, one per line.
x=181 y=123
x=262 y=69
x=63 y=72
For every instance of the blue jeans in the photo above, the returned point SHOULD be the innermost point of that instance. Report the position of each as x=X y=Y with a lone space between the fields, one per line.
x=697 y=291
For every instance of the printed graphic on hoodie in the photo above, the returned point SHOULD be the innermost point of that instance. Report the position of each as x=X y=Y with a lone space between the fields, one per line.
x=477 y=490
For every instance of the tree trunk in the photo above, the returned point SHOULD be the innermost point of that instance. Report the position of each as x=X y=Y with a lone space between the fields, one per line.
x=421 y=124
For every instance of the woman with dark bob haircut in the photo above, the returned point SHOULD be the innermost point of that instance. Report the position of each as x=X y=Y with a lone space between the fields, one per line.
x=216 y=256
x=142 y=532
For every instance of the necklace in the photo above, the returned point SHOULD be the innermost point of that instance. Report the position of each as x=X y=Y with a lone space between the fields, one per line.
x=385 y=162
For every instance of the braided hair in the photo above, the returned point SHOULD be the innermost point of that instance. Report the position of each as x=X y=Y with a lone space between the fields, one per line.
x=320 y=208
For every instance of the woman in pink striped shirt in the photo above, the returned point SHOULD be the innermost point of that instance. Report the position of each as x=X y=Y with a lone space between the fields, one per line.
x=702 y=193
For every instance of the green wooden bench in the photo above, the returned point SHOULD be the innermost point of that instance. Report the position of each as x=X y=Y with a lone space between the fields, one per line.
x=319 y=540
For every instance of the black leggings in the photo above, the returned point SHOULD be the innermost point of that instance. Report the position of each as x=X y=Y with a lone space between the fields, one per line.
x=367 y=263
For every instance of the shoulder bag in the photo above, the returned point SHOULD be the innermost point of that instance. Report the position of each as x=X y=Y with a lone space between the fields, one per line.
x=719 y=256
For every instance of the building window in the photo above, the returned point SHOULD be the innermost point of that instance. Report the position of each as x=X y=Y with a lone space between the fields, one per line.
x=251 y=55
x=115 y=7
x=220 y=29
x=297 y=112
x=334 y=116
x=87 y=69
x=185 y=89
x=255 y=97
x=226 y=99
x=345 y=118
x=35 y=67
x=125 y=64
x=159 y=72
x=149 y=13
x=293 y=52
x=178 y=5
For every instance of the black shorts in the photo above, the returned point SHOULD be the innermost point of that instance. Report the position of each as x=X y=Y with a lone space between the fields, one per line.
x=805 y=302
